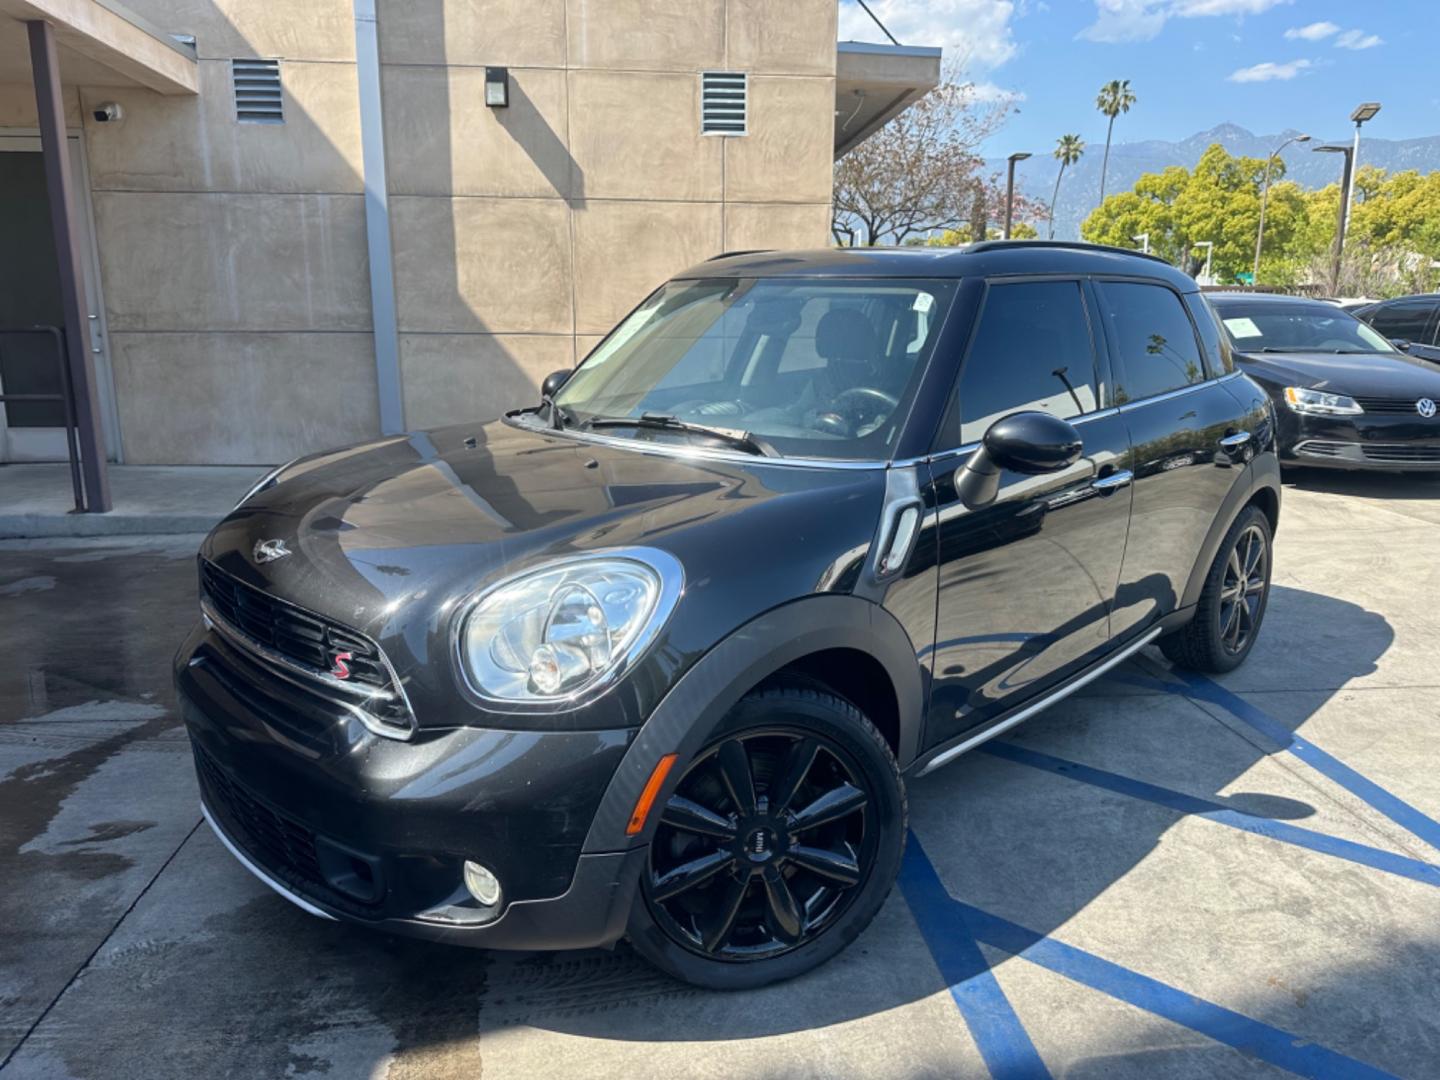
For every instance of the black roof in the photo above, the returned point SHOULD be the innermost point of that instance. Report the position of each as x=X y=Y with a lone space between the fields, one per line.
x=990 y=258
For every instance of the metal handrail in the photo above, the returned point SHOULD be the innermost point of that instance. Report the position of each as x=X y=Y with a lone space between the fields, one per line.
x=66 y=397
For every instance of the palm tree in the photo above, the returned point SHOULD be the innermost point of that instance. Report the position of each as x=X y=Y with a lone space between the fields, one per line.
x=1068 y=149
x=1115 y=97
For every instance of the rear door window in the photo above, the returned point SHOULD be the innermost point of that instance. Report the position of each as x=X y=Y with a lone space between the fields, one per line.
x=1407 y=321
x=1155 y=339
x=1032 y=350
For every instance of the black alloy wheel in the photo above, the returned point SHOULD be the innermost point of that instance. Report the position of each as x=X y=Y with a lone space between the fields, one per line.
x=1232 y=603
x=1242 y=589
x=772 y=842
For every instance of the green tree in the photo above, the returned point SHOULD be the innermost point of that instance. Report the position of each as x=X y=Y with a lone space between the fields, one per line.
x=1068 y=149
x=1115 y=97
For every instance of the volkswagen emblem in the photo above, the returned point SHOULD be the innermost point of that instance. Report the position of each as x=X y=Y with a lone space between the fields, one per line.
x=1425 y=407
x=270 y=550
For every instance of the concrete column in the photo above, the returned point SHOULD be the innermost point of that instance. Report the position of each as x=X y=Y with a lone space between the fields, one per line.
x=59 y=187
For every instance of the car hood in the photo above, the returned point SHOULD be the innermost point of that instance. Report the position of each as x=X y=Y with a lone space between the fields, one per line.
x=391 y=537
x=1365 y=374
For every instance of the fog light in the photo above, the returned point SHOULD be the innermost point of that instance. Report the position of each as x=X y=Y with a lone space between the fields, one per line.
x=483 y=885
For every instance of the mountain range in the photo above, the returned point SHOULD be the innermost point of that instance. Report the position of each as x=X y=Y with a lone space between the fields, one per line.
x=1080 y=191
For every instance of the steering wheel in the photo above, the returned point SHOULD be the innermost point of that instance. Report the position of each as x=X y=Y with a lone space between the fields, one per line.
x=876 y=399
x=853 y=406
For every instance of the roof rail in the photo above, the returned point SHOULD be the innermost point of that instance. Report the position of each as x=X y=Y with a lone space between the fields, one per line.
x=742 y=251
x=1072 y=245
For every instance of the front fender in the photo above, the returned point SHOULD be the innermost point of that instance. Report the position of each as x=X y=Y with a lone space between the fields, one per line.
x=1262 y=473
x=684 y=719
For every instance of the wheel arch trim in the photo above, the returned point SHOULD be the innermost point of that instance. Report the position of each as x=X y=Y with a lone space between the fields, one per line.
x=739 y=663
x=1262 y=474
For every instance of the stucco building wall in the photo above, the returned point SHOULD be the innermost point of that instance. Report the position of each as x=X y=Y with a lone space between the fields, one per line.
x=233 y=256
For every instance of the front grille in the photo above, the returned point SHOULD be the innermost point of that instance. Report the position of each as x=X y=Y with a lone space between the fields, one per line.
x=281 y=841
x=1401 y=452
x=1391 y=405
x=310 y=642
x=285 y=847
x=1320 y=448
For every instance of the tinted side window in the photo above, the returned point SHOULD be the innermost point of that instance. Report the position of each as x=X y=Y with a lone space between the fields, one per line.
x=1157 y=344
x=1402 y=322
x=1217 y=349
x=1033 y=350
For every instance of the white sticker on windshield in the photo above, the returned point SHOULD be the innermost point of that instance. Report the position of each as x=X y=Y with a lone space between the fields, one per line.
x=923 y=302
x=1242 y=327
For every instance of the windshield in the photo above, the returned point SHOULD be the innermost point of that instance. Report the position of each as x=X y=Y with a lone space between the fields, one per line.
x=1266 y=326
x=808 y=367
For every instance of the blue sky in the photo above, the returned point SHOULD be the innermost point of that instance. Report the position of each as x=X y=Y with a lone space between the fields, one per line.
x=1266 y=65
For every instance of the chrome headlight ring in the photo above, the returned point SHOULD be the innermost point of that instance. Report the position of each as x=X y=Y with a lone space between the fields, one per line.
x=559 y=634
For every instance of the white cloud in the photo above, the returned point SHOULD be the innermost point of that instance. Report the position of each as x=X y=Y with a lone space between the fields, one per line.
x=1140 y=20
x=978 y=32
x=1315 y=31
x=1270 y=71
x=1357 y=39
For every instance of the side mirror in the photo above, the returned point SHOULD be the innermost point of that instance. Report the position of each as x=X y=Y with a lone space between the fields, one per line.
x=1032 y=443
x=1400 y=343
x=553 y=382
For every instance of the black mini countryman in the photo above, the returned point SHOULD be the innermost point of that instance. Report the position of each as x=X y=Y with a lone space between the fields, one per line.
x=654 y=658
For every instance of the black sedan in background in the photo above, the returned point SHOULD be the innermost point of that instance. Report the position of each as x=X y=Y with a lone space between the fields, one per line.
x=1412 y=323
x=1345 y=397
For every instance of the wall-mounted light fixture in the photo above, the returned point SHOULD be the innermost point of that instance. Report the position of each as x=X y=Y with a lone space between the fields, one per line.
x=497 y=87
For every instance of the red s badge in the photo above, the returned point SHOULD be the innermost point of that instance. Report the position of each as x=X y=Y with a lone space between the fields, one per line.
x=341 y=670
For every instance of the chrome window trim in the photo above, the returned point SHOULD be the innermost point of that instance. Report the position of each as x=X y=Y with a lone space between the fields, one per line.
x=306 y=678
x=703 y=453
x=245 y=861
x=1178 y=391
x=672 y=586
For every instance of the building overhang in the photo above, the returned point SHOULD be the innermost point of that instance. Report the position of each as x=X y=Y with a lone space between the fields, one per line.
x=98 y=43
x=876 y=82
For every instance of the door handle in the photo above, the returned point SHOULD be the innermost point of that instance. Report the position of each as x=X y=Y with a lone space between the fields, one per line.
x=1240 y=438
x=1114 y=482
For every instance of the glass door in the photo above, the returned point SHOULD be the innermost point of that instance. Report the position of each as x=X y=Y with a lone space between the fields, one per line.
x=30 y=297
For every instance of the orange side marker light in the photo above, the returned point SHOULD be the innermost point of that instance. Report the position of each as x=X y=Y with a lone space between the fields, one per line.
x=647 y=797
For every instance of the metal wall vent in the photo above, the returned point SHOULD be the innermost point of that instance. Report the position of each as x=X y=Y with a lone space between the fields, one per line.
x=257 y=91
x=723 y=102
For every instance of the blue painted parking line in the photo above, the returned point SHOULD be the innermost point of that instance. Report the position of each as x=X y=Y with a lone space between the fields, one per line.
x=1191 y=805
x=943 y=917
x=998 y=1033
x=1392 y=806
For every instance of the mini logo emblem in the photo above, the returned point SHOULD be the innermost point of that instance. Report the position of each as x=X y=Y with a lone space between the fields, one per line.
x=341 y=670
x=269 y=550
x=1425 y=407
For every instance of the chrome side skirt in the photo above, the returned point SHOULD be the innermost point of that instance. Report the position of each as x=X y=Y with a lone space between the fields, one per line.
x=245 y=861
x=1058 y=694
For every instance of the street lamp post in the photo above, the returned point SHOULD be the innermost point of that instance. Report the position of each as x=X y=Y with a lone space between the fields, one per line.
x=1010 y=192
x=1143 y=239
x=1264 y=196
x=1345 y=180
x=1361 y=114
x=1209 y=246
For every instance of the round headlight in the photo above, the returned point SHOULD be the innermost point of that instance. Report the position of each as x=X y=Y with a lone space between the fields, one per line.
x=553 y=633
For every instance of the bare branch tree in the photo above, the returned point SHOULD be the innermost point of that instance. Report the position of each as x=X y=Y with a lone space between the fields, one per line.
x=921 y=172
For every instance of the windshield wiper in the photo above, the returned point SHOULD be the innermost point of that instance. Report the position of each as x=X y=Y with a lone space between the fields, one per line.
x=662 y=422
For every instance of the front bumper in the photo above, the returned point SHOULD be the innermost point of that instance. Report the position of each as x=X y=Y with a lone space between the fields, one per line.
x=353 y=826
x=1368 y=441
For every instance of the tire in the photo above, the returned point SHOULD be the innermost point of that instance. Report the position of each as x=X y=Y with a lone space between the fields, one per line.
x=686 y=933
x=1210 y=642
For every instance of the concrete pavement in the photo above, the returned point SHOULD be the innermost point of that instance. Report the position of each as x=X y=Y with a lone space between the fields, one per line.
x=37 y=500
x=1161 y=877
